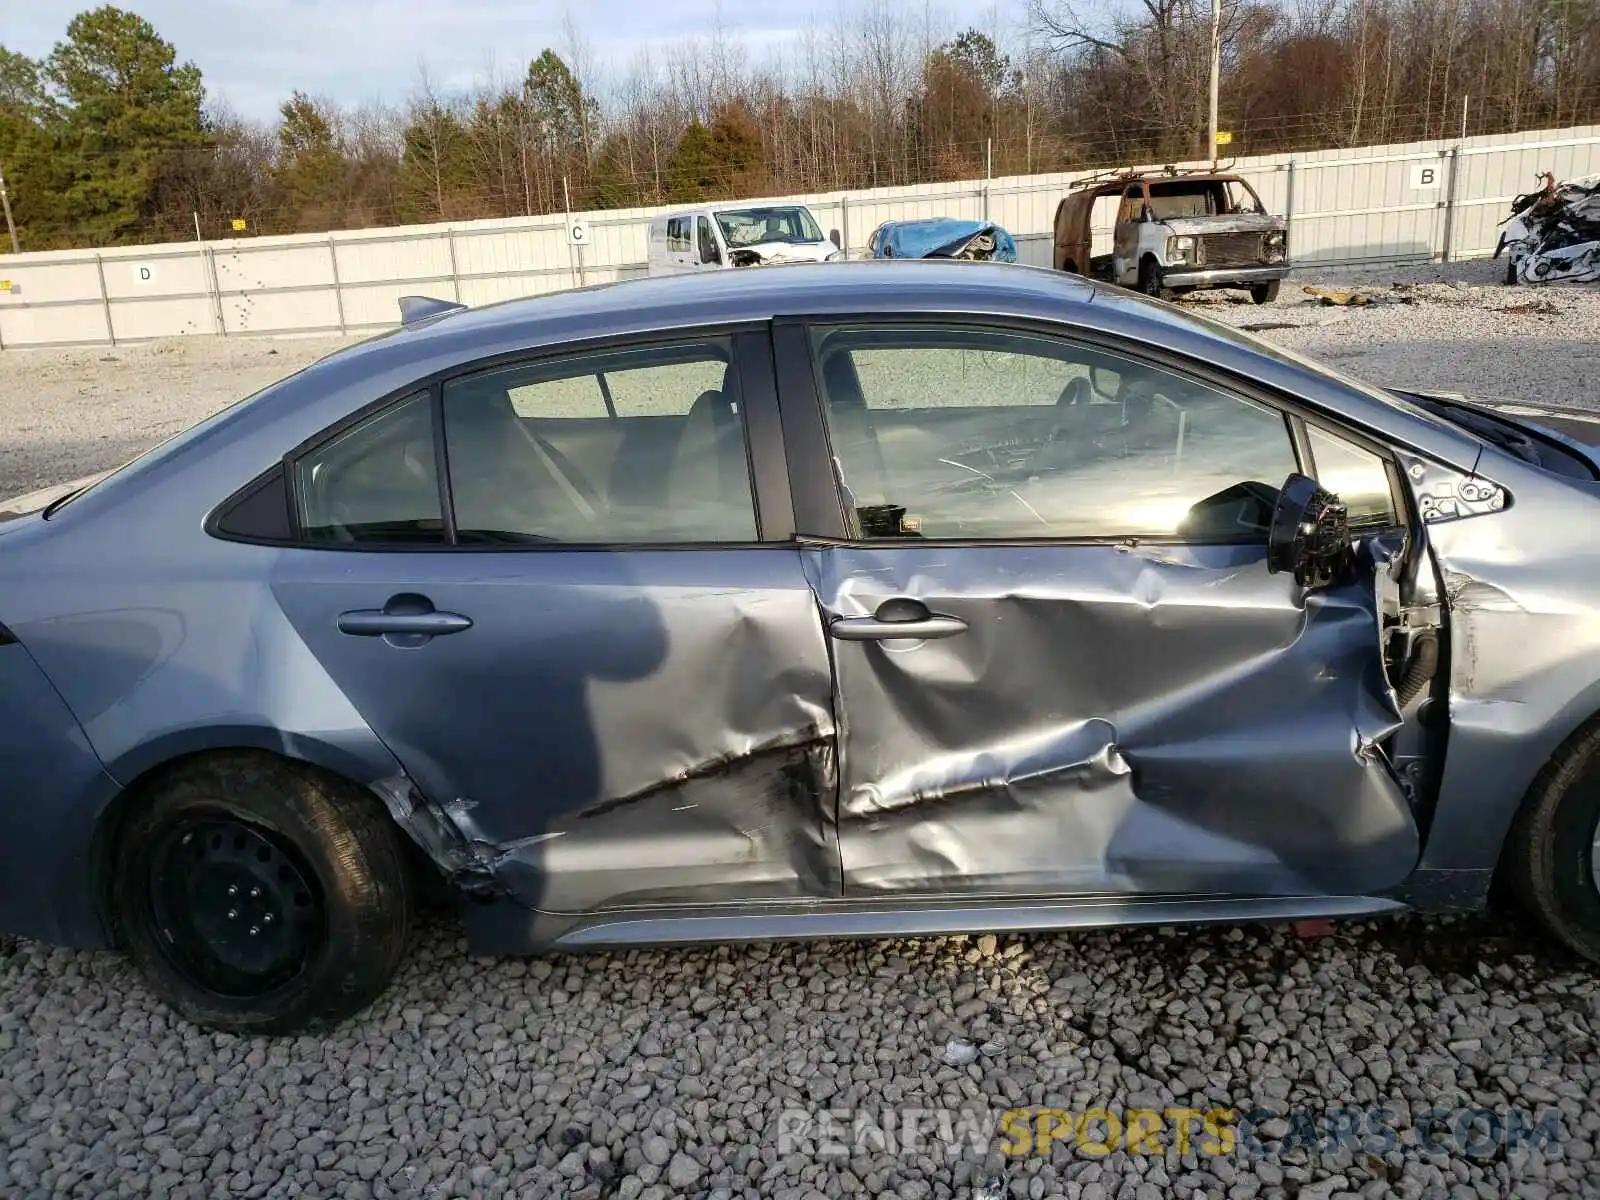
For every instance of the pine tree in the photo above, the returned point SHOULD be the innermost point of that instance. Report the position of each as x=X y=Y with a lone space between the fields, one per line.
x=692 y=171
x=125 y=107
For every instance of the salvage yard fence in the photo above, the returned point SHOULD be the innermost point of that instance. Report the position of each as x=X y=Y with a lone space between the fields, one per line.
x=1418 y=202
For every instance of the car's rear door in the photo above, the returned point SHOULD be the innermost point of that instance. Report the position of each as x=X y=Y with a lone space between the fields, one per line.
x=596 y=652
x=1055 y=674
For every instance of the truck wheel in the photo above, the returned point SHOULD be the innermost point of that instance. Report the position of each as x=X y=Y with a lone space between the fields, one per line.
x=1552 y=859
x=1264 y=293
x=258 y=897
x=1150 y=278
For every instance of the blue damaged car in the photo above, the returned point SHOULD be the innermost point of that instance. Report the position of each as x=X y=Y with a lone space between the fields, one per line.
x=860 y=599
x=943 y=237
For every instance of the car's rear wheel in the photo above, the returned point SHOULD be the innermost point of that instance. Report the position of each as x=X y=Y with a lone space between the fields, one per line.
x=1552 y=858
x=1264 y=293
x=257 y=896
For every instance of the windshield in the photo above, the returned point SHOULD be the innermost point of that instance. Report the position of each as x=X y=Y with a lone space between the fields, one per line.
x=751 y=226
x=1201 y=198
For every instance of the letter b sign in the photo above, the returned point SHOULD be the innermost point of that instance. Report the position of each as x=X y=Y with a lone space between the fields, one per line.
x=1425 y=178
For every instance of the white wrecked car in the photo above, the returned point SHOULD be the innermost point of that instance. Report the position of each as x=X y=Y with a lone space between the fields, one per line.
x=714 y=239
x=1553 y=235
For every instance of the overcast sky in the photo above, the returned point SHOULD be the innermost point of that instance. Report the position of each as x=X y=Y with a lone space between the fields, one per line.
x=253 y=53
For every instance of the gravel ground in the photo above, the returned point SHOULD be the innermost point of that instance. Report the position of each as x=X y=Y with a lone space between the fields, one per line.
x=711 y=1072
x=1445 y=326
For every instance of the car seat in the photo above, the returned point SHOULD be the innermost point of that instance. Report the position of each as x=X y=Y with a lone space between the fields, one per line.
x=708 y=478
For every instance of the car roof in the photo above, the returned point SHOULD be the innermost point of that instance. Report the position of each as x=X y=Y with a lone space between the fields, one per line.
x=642 y=306
x=756 y=294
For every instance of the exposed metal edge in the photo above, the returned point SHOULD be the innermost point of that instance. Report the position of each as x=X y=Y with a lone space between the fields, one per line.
x=842 y=920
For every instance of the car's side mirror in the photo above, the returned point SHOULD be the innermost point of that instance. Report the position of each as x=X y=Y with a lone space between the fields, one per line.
x=1309 y=536
x=833 y=236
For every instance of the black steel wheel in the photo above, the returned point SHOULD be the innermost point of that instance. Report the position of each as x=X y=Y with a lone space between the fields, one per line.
x=234 y=907
x=260 y=896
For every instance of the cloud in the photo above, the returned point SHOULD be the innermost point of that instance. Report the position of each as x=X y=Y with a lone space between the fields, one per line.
x=253 y=53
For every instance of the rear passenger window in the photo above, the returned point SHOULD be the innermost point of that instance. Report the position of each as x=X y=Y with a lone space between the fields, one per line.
x=376 y=482
x=638 y=446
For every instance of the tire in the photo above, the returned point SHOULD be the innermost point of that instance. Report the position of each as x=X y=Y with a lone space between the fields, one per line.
x=244 y=845
x=1264 y=293
x=1550 y=856
x=1149 y=278
x=1511 y=272
x=1070 y=267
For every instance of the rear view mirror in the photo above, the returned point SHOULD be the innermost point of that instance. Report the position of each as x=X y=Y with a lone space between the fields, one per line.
x=833 y=236
x=1310 y=534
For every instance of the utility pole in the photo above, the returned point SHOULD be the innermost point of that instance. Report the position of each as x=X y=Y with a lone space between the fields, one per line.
x=5 y=202
x=1216 y=70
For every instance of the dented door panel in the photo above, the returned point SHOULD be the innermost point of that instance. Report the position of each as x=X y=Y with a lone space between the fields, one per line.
x=1114 y=720
x=615 y=727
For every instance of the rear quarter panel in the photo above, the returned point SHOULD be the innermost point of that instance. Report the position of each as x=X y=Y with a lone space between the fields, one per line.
x=52 y=787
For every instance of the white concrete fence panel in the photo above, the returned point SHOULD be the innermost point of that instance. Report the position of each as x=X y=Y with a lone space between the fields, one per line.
x=1418 y=202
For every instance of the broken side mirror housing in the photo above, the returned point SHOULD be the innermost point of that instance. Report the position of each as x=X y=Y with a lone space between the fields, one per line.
x=1310 y=534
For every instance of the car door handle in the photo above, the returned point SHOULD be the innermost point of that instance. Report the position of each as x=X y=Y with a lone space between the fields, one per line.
x=897 y=618
x=406 y=621
x=374 y=622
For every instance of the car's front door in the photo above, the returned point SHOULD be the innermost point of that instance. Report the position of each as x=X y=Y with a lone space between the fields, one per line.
x=585 y=649
x=1060 y=670
x=708 y=251
x=1125 y=237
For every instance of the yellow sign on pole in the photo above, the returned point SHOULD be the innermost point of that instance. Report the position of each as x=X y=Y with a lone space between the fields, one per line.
x=1224 y=137
x=238 y=224
x=5 y=285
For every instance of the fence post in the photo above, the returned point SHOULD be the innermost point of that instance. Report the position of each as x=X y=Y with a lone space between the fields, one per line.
x=105 y=301
x=988 y=173
x=338 y=294
x=455 y=281
x=844 y=223
x=214 y=302
x=1450 y=202
x=1288 y=214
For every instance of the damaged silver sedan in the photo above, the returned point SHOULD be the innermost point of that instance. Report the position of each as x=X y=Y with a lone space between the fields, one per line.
x=869 y=599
